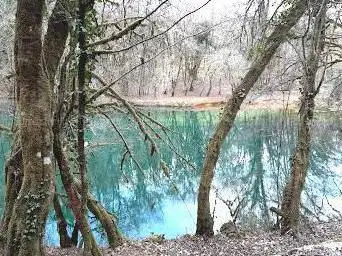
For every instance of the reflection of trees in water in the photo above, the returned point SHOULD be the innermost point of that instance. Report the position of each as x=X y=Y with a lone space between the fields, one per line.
x=254 y=163
x=137 y=195
x=258 y=157
x=323 y=180
x=5 y=140
x=261 y=144
x=4 y=149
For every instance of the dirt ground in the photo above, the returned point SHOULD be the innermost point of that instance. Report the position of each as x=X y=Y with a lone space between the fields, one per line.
x=322 y=239
x=314 y=240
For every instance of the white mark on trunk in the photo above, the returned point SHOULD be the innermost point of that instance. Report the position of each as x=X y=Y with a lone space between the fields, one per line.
x=39 y=154
x=47 y=160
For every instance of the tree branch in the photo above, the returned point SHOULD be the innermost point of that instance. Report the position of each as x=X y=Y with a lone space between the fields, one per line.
x=157 y=35
x=127 y=29
x=154 y=148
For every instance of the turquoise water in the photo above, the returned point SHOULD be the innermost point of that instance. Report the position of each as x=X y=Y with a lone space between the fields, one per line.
x=252 y=169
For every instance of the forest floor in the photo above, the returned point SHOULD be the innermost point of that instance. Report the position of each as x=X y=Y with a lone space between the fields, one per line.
x=314 y=240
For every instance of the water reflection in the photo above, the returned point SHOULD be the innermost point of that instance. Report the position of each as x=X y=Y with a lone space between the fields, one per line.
x=252 y=168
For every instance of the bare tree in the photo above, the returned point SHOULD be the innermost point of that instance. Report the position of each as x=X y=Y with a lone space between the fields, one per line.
x=269 y=47
x=290 y=207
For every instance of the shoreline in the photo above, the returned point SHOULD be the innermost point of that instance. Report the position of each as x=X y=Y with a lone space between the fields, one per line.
x=195 y=103
x=216 y=103
x=212 y=103
x=323 y=238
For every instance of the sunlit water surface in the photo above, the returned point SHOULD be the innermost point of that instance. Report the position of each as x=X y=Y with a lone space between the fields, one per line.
x=252 y=169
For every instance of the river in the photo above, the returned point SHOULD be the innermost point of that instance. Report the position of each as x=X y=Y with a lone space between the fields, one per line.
x=252 y=169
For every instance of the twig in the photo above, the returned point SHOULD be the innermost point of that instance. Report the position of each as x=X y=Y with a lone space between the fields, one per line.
x=171 y=146
x=100 y=52
x=127 y=29
x=123 y=140
x=4 y=128
x=163 y=32
x=154 y=121
x=154 y=148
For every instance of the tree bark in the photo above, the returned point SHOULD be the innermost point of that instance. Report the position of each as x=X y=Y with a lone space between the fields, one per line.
x=53 y=48
x=107 y=220
x=290 y=207
x=272 y=43
x=56 y=36
x=64 y=238
x=13 y=179
x=90 y=246
x=69 y=185
x=72 y=188
x=27 y=224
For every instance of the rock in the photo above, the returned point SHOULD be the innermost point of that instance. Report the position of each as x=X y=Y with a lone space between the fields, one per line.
x=156 y=238
x=229 y=229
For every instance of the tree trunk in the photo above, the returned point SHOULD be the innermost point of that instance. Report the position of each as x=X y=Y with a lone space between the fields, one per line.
x=13 y=179
x=107 y=220
x=210 y=85
x=64 y=238
x=90 y=246
x=290 y=207
x=72 y=188
x=69 y=185
x=194 y=68
x=56 y=36
x=53 y=48
x=220 y=86
x=289 y=19
x=27 y=224
x=141 y=89
x=174 y=82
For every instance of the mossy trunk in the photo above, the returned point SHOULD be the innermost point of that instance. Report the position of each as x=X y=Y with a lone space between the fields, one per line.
x=107 y=220
x=13 y=179
x=30 y=210
x=290 y=207
x=81 y=220
x=73 y=188
x=53 y=48
x=90 y=246
x=272 y=43
x=56 y=36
